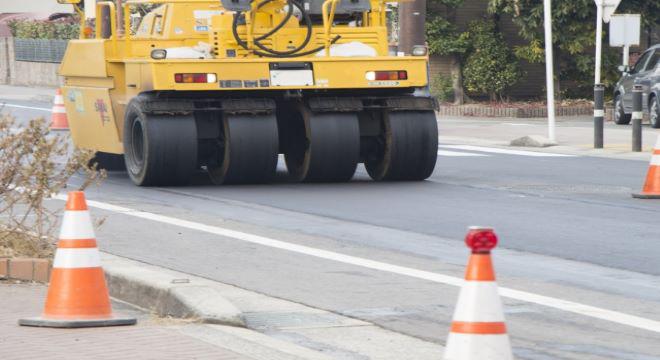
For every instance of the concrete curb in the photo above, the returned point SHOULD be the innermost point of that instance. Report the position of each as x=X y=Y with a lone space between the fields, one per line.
x=167 y=296
x=264 y=327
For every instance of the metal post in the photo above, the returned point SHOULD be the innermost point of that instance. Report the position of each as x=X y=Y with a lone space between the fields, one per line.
x=549 y=70
x=599 y=37
x=599 y=115
x=626 y=54
x=637 y=118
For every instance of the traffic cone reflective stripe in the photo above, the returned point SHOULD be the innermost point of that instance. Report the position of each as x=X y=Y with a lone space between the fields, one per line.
x=478 y=327
x=58 y=119
x=77 y=294
x=478 y=330
x=651 y=188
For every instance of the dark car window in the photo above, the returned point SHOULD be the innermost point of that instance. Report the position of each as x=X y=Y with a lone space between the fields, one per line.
x=639 y=65
x=654 y=60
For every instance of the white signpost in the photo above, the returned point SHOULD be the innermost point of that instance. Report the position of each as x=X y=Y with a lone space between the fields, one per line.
x=605 y=9
x=549 y=70
x=625 y=32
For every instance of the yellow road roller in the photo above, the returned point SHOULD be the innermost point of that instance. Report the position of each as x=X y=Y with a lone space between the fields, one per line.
x=173 y=87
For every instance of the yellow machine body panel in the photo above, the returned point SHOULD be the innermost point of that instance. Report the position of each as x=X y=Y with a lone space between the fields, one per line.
x=103 y=75
x=85 y=58
x=91 y=118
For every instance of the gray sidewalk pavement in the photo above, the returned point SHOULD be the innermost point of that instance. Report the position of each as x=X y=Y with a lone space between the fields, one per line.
x=152 y=338
x=574 y=135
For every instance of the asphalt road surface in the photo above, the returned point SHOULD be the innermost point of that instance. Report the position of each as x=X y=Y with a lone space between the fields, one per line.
x=568 y=229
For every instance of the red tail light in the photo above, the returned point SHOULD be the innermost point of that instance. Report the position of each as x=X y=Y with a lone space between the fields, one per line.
x=387 y=75
x=194 y=78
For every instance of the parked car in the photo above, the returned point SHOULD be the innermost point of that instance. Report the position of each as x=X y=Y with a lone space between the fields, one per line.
x=645 y=72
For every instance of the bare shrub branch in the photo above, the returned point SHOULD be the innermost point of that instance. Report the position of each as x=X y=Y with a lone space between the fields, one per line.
x=34 y=165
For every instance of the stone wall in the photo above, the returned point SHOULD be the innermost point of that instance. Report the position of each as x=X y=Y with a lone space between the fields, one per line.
x=25 y=73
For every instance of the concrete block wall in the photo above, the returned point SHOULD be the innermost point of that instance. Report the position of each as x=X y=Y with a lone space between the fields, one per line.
x=5 y=60
x=25 y=73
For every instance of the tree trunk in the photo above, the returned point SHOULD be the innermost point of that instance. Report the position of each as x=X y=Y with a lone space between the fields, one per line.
x=457 y=80
x=412 y=21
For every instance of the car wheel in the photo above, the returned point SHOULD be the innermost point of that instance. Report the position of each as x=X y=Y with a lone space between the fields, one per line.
x=620 y=116
x=654 y=113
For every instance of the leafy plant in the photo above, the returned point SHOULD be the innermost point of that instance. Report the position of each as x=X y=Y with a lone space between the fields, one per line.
x=574 y=31
x=491 y=66
x=444 y=38
x=43 y=29
x=441 y=88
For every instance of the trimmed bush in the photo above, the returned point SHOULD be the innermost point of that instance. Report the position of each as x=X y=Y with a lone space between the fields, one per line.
x=491 y=67
x=441 y=88
x=43 y=29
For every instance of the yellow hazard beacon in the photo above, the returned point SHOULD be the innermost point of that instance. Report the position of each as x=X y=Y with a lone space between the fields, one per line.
x=226 y=86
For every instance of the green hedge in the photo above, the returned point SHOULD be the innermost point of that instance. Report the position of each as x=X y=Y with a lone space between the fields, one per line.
x=43 y=29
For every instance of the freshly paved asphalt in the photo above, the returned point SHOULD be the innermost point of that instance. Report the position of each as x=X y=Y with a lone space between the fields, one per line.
x=568 y=228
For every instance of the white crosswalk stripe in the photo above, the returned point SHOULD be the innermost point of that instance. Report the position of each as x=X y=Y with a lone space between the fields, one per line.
x=458 y=154
x=497 y=151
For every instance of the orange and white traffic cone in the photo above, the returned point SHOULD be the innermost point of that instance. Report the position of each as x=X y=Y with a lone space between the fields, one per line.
x=478 y=331
x=651 y=189
x=77 y=295
x=58 y=119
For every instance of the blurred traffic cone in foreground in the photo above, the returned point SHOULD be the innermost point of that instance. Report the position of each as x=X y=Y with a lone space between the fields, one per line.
x=58 y=119
x=478 y=331
x=651 y=189
x=77 y=295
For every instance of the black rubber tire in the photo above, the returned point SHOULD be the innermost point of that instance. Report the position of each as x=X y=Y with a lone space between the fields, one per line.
x=620 y=116
x=159 y=150
x=654 y=112
x=249 y=150
x=322 y=147
x=108 y=161
x=409 y=148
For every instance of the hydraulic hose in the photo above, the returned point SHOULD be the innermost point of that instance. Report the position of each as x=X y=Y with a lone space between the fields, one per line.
x=268 y=52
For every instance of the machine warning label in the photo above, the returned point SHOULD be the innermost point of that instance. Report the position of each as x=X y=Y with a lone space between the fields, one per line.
x=383 y=83
x=76 y=97
x=202 y=18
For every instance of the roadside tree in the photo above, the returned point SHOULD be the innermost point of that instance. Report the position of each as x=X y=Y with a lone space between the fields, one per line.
x=444 y=38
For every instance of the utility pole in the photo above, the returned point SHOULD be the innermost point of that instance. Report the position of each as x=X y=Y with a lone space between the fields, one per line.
x=412 y=20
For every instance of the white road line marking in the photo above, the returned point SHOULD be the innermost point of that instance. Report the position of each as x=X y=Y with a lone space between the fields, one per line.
x=518 y=124
x=504 y=151
x=456 y=153
x=23 y=107
x=560 y=304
